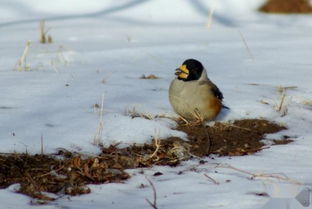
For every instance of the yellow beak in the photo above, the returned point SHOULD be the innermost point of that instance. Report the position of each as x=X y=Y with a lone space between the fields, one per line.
x=182 y=72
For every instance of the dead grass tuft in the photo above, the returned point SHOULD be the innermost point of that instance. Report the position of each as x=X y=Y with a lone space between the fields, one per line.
x=21 y=63
x=151 y=77
x=307 y=102
x=44 y=38
x=97 y=140
x=246 y=45
x=134 y=113
x=282 y=107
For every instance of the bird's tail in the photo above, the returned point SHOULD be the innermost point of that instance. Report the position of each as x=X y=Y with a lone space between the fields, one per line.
x=225 y=107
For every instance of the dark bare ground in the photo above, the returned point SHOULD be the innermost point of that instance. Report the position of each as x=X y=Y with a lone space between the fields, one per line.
x=69 y=173
x=241 y=137
x=46 y=173
x=286 y=6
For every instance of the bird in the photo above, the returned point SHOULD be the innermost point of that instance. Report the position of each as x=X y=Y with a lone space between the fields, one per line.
x=192 y=95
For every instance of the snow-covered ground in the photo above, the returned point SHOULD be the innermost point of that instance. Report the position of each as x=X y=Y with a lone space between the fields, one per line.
x=100 y=50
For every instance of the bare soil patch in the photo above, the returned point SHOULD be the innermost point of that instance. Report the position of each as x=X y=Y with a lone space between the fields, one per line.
x=46 y=173
x=241 y=137
x=69 y=173
x=286 y=6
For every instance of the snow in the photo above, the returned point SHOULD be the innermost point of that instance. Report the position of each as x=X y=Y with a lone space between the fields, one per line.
x=100 y=50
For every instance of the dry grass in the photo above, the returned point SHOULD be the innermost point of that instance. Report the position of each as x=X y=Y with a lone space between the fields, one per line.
x=150 y=77
x=154 y=203
x=210 y=16
x=251 y=175
x=22 y=64
x=134 y=113
x=44 y=38
x=211 y=179
x=157 y=144
x=246 y=45
x=307 y=102
x=282 y=106
x=97 y=140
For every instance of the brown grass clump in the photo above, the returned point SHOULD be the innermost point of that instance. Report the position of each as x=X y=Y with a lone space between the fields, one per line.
x=286 y=6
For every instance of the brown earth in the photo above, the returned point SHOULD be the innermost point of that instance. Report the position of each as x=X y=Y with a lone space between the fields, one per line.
x=69 y=173
x=241 y=137
x=286 y=6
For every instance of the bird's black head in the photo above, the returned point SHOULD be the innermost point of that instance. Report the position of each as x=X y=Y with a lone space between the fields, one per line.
x=190 y=70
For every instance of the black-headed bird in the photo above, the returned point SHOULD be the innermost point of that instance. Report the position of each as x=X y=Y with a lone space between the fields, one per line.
x=192 y=95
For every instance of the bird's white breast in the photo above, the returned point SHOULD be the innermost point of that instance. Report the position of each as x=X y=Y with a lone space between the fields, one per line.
x=185 y=97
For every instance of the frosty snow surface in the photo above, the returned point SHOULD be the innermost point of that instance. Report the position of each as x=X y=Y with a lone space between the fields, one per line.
x=100 y=50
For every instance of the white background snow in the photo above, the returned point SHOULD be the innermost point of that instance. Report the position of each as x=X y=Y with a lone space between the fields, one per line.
x=100 y=50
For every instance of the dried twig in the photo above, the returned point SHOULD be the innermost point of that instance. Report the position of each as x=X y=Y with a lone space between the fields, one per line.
x=261 y=175
x=282 y=107
x=210 y=15
x=154 y=203
x=180 y=118
x=157 y=143
x=31 y=181
x=211 y=179
x=99 y=130
x=246 y=45
x=43 y=33
x=41 y=142
x=235 y=126
x=21 y=64
x=51 y=172
x=198 y=116
x=135 y=114
x=281 y=103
